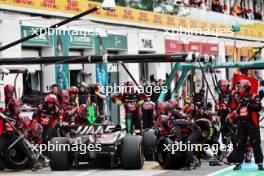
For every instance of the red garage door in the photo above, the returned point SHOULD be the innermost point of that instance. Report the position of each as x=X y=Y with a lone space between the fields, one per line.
x=174 y=46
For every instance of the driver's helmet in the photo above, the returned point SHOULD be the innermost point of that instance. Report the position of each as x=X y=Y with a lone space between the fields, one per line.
x=83 y=111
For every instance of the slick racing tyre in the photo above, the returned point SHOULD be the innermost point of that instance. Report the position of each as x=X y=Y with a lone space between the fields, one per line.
x=16 y=157
x=207 y=129
x=149 y=143
x=132 y=156
x=167 y=159
x=60 y=160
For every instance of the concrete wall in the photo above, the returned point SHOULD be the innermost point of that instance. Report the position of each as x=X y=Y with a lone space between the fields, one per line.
x=10 y=31
x=132 y=45
x=48 y=71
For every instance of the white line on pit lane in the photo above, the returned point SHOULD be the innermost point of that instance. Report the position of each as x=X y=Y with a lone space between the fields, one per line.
x=219 y=171
x=86 y=173
x=122 y=173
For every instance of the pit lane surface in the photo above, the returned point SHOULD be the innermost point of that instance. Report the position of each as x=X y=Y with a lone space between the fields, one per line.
x=150 y=169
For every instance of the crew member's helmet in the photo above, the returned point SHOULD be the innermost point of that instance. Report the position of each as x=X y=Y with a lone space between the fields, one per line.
x=51 y=99
x=163 y=105
x=174 y=103
x=129 y=87
x=17 y=105
x=164 y=124
x=9 y=91
x=37 y=130
x=73 y=91
x=223 y=85
x=243 y=86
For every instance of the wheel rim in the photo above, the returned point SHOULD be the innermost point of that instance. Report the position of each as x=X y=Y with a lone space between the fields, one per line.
x=17 y=157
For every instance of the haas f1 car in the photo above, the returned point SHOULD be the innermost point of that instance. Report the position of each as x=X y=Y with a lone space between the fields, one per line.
x=99 y=141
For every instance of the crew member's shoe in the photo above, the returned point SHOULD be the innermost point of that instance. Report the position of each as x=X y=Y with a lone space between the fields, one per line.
x=187 y=168
x=260 y=167
x=206 y=156
x=237 y=167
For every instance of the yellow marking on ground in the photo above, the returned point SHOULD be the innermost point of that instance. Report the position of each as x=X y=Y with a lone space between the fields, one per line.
x=155 y=166
x=151 y=165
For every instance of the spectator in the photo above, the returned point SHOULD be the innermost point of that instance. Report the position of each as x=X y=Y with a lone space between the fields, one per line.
x=258 y=15
x=221 y=10
x=216 y=6
x=203 y=5
x=232 y=12
x=186 y=2
x=183 y=2
x=244 y=13
x=238 y=11
x=200 y=4
x=193 y=3
x=175 y=1
x=250 y=14
x=225 y=9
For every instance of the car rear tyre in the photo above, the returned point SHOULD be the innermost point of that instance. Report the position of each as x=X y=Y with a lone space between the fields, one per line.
x=132 y=152
x=149 y=143
x=167 y=159
x=60 y=160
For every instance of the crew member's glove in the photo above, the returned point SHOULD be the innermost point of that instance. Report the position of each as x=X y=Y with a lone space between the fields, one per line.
x=244 y=103
x=118 y=102
x=58 y=125
x=140 y=102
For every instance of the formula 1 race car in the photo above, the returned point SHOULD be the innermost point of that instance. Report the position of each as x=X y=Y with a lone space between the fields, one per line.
x=94 y=143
